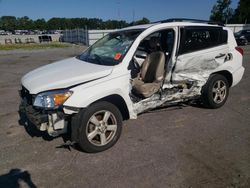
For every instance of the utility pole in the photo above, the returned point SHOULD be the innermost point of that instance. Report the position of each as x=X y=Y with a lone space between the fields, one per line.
x=118 y=10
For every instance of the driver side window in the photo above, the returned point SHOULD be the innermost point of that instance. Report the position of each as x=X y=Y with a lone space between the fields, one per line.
x=162 y=40
x=150 y=62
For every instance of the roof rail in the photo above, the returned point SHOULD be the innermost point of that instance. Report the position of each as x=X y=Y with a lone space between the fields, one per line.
x=189 y=20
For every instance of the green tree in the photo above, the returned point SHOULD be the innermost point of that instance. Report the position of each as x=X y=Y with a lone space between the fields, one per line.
x=40 y=24
x=8 y=23
x=54 y=23
x=114 y=24
x=242 y=12
x=221 y=11
x=94 y=23
x=24 y=23
x=142 y=21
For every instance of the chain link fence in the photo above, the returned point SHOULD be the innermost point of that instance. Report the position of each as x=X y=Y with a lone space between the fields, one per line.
x=83 y=36
x=78 y=36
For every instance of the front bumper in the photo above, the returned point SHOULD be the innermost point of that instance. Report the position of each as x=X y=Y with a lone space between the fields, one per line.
x=53 y=121
x=35 y=117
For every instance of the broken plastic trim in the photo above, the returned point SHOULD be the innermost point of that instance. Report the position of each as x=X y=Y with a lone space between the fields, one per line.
x=168 y=96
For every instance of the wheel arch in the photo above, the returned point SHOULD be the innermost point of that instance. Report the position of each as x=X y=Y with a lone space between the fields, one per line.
x=227 y=75
x=119 y=102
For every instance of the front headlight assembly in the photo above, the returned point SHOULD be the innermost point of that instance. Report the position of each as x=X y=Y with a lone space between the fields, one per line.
x=52 y=99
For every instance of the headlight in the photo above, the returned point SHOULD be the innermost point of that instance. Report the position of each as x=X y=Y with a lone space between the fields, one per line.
x=242 y=37
x=52 y=99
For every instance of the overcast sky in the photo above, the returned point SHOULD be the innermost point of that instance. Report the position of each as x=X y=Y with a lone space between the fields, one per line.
x=109 y=9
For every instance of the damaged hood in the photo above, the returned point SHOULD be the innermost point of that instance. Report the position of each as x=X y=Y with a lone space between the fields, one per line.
x=63 y=74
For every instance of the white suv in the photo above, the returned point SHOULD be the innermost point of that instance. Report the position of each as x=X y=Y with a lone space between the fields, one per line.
x=128 y=72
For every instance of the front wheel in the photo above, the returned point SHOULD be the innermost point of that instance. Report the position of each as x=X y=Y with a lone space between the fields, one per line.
x=215 y=91
x=98 y=127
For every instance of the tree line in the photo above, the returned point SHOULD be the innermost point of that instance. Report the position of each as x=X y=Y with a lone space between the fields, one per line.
x=10 y=23
x=222 y=12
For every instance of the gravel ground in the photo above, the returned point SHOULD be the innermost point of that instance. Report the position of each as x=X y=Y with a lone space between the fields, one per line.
x=182 y=146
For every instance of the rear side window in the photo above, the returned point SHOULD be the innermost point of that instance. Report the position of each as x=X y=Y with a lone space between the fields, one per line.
x=199 y=38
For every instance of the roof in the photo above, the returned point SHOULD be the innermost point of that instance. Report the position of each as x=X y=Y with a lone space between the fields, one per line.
x=168 y=24
x=145 y=26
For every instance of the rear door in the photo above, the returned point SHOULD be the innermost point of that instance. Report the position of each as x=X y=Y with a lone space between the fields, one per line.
x=201 y=50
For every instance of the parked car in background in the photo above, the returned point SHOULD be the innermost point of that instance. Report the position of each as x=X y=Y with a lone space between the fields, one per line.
x=2 y=32
x=242 y=37
x=128 y=72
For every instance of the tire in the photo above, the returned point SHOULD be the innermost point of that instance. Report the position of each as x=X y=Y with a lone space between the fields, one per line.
x=215 y=92
x=98 y=127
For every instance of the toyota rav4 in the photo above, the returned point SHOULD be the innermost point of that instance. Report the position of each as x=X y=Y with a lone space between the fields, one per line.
x=128 y=72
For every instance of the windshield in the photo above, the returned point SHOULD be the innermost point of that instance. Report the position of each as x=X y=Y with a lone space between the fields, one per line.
x=111 y=49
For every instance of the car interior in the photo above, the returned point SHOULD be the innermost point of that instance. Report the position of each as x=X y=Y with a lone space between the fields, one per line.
x=150 y=62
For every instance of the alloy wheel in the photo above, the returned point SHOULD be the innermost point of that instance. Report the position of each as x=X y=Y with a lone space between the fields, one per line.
x=101 y=128
x=219 y=91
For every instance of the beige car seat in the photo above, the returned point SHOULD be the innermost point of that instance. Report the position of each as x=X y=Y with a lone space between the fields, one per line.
x=151 y=77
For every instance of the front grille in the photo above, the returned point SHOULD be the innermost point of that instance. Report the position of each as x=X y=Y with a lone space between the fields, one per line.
x=26 y=96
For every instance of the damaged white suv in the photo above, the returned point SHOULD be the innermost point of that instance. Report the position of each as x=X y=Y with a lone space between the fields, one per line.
x=128 y=72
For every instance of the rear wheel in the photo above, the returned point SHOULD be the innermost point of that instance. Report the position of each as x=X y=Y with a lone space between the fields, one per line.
x=215 y=91
x=99 y=127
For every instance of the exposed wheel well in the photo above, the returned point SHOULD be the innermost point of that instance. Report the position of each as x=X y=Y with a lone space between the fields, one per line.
x=119 y=102
x=228 y=76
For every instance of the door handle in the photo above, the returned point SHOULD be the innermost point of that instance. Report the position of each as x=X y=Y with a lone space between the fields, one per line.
x=219 y=56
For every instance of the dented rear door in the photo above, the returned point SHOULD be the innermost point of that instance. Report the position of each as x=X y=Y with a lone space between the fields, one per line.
x=202 y=50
